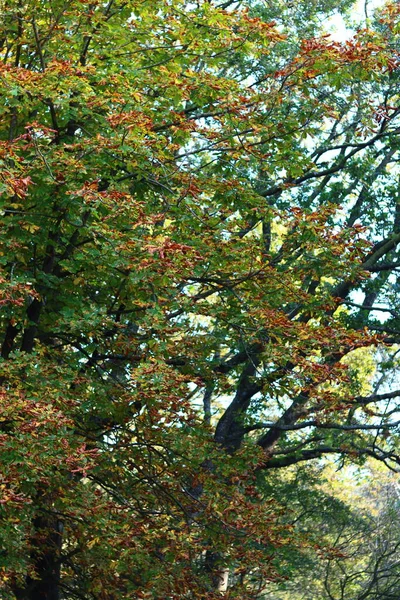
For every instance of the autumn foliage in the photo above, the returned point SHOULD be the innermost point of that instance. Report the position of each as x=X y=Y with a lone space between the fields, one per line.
x=199 y=216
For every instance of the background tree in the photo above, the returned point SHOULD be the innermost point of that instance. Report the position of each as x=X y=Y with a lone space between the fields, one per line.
x=200 y=225
x=357 y=550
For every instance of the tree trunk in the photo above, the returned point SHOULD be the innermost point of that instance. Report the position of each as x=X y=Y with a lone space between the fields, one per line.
x=218 y=573
x=45 y=557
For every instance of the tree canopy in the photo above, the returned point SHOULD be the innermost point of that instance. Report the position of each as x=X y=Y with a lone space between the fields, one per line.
x=200 y=229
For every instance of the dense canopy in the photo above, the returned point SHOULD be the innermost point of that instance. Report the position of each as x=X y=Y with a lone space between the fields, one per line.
x=200 y=229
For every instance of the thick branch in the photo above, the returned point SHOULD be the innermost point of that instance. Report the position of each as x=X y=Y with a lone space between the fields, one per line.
x=289 y=417
x=284 y=461
x=229 y=432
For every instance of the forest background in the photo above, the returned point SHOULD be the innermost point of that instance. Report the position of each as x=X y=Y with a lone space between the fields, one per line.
x=200 y=311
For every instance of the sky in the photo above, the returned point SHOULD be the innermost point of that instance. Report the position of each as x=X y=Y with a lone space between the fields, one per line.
x=337 y=27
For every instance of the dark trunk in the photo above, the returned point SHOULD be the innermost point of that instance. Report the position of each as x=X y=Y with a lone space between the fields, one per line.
x=45 y=556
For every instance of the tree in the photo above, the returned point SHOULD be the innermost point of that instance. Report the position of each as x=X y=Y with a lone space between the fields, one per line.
x=200 y=222
x=358 y=551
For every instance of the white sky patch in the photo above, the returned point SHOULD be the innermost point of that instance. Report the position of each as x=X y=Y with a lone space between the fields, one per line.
x=362 y=12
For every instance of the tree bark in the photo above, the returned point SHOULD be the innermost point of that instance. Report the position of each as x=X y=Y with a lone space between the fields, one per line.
x=218 y=573
x=45 y=556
